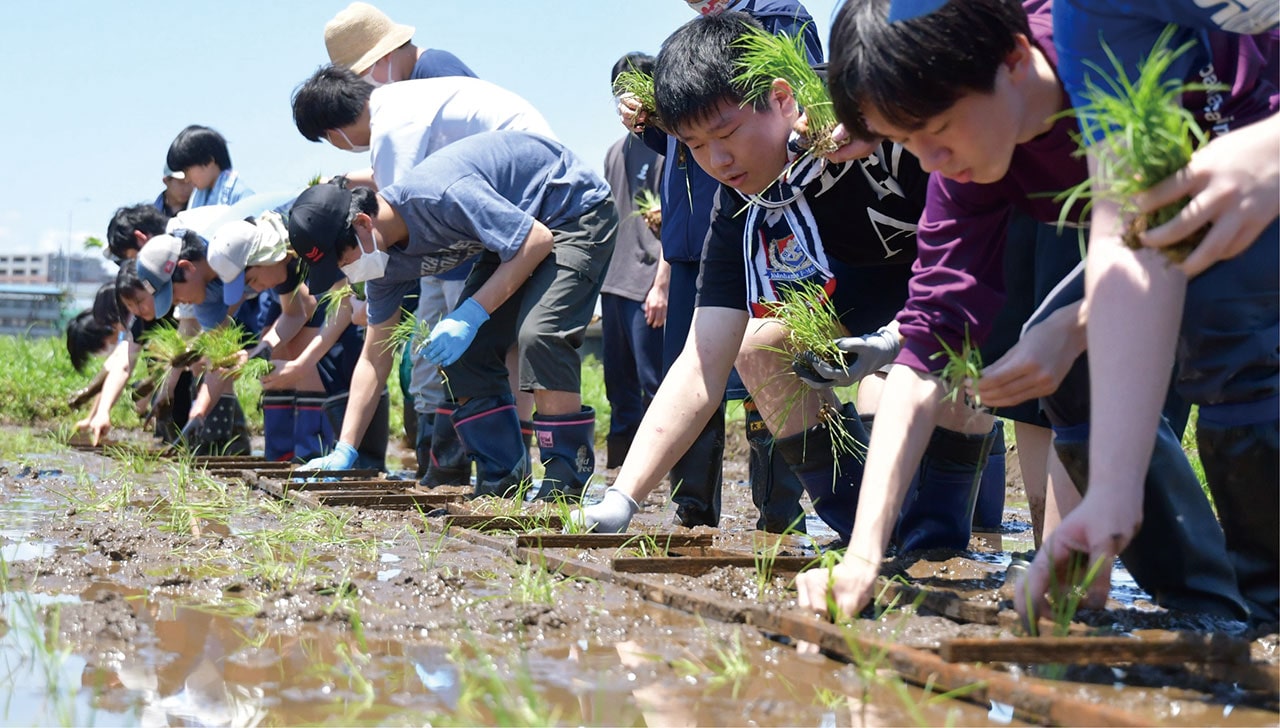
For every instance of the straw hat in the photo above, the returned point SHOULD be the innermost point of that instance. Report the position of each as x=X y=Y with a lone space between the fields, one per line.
x=361 y=34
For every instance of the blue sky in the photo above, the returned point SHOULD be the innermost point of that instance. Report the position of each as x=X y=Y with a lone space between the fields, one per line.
x=97 y=90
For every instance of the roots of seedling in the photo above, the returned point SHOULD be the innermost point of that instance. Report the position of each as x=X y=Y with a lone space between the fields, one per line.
x=1139 y=224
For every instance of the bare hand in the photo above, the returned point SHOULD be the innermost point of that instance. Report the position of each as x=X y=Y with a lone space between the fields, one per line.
x=847 y=587
x=655 y=307
x=1035 y=366
x=849 y=148
x=632 y=115
x=1099 y=528
x=99 y=426
x=359 y=312
x=1233 y=183
x=283 y=374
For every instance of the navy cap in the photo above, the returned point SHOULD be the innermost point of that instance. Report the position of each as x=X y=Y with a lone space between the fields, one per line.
x=910 y=9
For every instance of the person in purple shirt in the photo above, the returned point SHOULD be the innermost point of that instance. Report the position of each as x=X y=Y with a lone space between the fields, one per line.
x=1211 y=320
x=983 y=116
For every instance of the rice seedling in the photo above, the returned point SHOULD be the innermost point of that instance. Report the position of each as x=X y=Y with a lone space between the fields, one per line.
x=532 y=583
x=811 y=320
x=222 y=348
x=649 y=207
x=640 y=85
x=409 y=331
x=333 y=298
x=1064 y=600
x=729 y=664
x=644 y=546
x=1143 y=134
x=490 y=696
x=828 y=698
x=767 y=56
x=962 y=368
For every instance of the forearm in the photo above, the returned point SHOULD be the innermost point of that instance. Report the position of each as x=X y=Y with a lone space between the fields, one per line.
x=905 y=418
x=511 y=274
x=119 y=367
x=366 y=383
x=212 y=387
x=286 y=326
x=332 y=330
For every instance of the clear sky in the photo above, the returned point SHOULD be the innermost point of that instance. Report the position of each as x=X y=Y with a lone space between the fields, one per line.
x=98 y=89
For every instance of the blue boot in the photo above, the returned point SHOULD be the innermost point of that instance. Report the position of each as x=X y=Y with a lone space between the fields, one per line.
x=447 y=461
x=489 y=430
x=566 y=444
x=697 y=476
x=938 y=510
x=422 y=441
x=309 y=426
x=988 y=514
x=832 y=484
x=1179 y=555
x=277 y=425
x=775 y=490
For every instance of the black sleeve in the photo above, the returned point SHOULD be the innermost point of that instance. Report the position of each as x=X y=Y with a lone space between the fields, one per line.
x=722 y=278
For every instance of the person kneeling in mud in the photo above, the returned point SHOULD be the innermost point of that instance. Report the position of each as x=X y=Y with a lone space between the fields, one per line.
x=786 y=218
x=544 y=226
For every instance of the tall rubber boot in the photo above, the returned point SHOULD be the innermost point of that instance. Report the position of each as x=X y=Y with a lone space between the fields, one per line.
x=309 y=426
x=1179 y=555
x=226 y=432
x=566 y=444
x=988 y=514
x=938 y=510
x=832 y=483
x=775 y=490
x=490 y=433
x=526 y=431
x=422 y=441
x=616 y=447
x=696 y=476
x=448 y=460
x=1240 y=463
x=277 y=424
x=371 y=452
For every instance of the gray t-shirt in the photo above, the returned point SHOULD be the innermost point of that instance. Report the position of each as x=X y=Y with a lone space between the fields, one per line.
x=481 y=193
x=630 y=167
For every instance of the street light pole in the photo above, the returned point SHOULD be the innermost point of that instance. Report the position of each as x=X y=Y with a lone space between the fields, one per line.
x=66 y=257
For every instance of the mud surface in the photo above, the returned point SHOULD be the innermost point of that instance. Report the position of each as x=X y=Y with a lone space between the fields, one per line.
x=147 y=592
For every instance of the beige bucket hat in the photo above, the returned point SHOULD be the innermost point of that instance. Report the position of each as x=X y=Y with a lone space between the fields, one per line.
x=361 y=34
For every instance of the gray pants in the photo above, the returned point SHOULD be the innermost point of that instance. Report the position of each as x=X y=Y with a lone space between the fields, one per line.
x=436 y=300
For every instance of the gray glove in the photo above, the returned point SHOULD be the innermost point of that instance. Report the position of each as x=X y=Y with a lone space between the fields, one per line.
x=862 y=354
x=611 y=515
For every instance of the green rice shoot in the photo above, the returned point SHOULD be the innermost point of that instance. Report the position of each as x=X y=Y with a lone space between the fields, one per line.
x=766 y=56
x=963 y=366
x=1144 y=135
x=638 y=84
x=221 y=347
x=649 y=207
x=811 y=320
x=333 y=298
x=409 y=331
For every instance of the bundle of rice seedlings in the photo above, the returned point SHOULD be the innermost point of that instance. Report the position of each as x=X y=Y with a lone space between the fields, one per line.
x=221 y=347
x=332 y=299
x=1144 y=136
x=163 y=350
x=638 y=84
x=410 y=331
x=649 y=207
x=766 y=56
x=962 y=367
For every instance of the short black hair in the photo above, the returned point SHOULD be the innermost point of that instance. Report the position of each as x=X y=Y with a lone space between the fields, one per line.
x=128 y=284
x=332 y=98
x=106 y=307
x=197 y=145
x=635 y=60
x=142 y=217
x=193 y=250
x=912 y=70
x=695 y=69
x=85 y=337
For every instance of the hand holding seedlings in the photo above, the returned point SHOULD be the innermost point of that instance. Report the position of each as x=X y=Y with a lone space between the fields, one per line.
x=863 y=355
x=840 y=591
x=1037 y=364
x=1232 y=184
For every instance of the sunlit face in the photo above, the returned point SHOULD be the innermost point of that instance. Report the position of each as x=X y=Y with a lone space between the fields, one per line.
x=140 y=304
x=202 y=176
x=192 y=289
x=270 y=275
x=973 y=141
x=739 y=146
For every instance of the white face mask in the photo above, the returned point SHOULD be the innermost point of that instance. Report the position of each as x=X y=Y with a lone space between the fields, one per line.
x=354 y=147
x=369 y=266
x=369 y=79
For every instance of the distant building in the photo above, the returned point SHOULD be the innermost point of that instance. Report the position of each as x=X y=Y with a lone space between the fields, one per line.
x=52 y=268
x=31 y=310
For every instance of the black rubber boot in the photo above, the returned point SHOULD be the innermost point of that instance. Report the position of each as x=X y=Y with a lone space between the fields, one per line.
x=832 y=484
x=225 y=431
x=616 y=448
x=1240 y=463
x=988 y=514
x=775 y=489
x=489 y=430
x=277 y=425
x=566 y=444
x=938 y=510
x=448 y=460
x=372 y=450
x=696 y=476
x=422 y=441
x=1179 y=555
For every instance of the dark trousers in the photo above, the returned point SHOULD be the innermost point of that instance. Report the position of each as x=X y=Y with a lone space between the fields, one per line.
x=632 y=361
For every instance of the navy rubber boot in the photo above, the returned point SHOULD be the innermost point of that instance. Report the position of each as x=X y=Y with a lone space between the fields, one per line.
x=566 y=444
x=938 y=510
x=309 y=426
x=422 y=441
x=277 y=425
x=832 y=483
x=371 y=452
x=489 y=430
x=447 y=461
x=696 y=477
x=1179 y=555
x=775 y=490
x=988 y=514
x=225 y=431
x=1240 y=462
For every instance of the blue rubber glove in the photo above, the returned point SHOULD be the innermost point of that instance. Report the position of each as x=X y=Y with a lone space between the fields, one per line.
x=450 y=338
x=341 y=458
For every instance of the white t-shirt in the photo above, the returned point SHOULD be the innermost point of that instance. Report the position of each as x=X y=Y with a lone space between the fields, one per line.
x=410 y=119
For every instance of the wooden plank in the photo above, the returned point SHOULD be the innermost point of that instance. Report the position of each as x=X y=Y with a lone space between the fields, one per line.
x=1176 y=649
x=612 y=540
x=520 y=522
x=354 y=485
x=699 y=565
x=383 y=500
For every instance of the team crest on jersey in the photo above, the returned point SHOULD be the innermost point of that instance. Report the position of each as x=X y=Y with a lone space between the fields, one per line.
x=788 y=260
